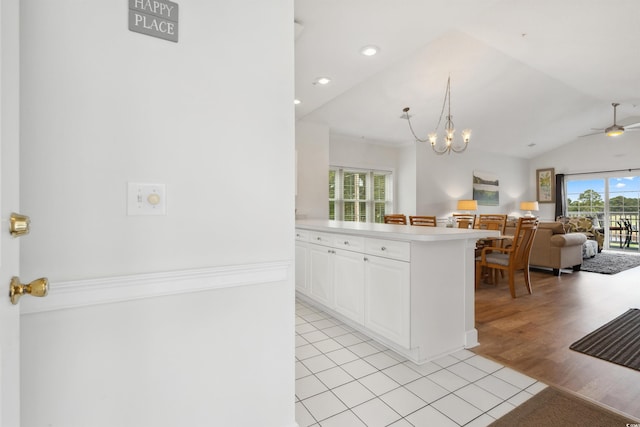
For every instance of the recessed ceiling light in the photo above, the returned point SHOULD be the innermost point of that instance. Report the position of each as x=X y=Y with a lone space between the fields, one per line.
x=369 y=50
x=322 y=81
x=297 y=101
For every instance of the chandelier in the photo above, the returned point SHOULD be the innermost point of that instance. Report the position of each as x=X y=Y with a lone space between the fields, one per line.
x=449 y=144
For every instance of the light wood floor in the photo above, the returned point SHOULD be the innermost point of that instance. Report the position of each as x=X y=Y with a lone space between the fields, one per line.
x=532 y=333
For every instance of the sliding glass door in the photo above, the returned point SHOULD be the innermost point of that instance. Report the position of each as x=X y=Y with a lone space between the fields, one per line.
x=623 y=212
x=612 y=204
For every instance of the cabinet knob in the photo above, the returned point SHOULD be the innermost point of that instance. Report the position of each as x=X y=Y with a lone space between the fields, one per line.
x=318 y=238
x=346 y=242
x=365 y=259
x=383 y=248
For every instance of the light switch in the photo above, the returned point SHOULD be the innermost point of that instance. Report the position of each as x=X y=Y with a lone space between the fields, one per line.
x=146 y=199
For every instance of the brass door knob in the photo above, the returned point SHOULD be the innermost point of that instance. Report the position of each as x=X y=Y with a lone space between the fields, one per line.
x=37 y=288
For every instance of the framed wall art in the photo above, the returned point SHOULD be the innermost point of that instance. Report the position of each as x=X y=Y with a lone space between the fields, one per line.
x=486 y=188
x=545 y=185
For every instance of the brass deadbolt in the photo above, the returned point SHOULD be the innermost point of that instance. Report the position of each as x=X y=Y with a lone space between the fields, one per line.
x=37 y=288
x=19 y=225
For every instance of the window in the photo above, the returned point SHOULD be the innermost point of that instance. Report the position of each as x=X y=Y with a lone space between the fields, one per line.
x=359 y=195
x=586 y=197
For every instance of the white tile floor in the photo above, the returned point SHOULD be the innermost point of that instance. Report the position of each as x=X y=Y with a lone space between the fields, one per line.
x=345 y=379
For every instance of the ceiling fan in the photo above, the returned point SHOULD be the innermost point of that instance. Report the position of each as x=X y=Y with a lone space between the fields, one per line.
x=615 y=129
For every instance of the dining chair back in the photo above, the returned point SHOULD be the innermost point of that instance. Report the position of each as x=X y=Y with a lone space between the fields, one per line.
x=465 y=220
x=425 y=221
x=492 y=222
x=395 y=219
x=512 y=258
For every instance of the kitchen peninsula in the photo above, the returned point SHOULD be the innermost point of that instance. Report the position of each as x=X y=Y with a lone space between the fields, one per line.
x=410 y=288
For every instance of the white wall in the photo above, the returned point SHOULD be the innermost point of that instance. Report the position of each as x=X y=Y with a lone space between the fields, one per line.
x=596 y=153
x=312 y=170
x=129 y=107
x=361 y=153
x=406 y=180
x=103 y=106
x=443 y=180
x=428 y=184
x=317 y=149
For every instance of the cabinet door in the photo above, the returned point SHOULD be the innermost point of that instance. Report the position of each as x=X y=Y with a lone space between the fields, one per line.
x=387 y=298
x=321 y=274
x=302 y=267
x=348 y=284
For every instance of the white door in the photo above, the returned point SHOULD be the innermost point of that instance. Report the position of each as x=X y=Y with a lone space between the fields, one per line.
x=9 y=201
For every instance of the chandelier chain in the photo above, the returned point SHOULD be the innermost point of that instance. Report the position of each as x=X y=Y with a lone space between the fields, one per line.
x=447 y=94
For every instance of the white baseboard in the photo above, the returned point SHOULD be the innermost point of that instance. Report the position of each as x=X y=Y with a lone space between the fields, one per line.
x=81 y=293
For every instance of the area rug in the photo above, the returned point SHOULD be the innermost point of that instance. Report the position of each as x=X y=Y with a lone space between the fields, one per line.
x=610 y=263
x=618 y=341
x=552 y=407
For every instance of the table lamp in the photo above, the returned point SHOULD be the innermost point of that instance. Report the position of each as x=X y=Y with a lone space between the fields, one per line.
x=529 y=206
x=467 y=205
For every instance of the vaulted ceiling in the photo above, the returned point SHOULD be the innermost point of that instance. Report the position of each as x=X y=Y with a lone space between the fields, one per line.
x=526 y=75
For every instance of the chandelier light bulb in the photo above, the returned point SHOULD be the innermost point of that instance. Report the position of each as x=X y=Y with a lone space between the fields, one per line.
x=450 y=133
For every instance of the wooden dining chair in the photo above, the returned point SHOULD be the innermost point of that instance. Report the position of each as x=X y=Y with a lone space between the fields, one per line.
x=425 y=221
x=395 y=219
x=464 y=220
x=512 y=258
x=492 y=222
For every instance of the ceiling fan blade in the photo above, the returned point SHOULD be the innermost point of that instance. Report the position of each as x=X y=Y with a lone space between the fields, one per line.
x=632 y=126
x=592 y=133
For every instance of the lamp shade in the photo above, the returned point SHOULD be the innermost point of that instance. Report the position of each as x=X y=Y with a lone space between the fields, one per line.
x=467 y=205
x=529 y=206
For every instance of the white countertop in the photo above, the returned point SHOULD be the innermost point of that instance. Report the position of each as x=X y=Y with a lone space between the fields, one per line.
x=395 y=232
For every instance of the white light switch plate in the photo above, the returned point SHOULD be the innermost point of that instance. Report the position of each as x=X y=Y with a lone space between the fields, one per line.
x=146 y=199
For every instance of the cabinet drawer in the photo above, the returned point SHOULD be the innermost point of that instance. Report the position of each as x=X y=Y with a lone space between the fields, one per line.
x=388 y=249
x=321 y=238
x=349 y=243
x=302 y=235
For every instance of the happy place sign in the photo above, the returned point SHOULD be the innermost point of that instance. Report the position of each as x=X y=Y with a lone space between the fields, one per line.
x=157 y=18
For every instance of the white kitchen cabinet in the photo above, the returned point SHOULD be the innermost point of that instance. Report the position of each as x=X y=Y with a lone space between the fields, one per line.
x=348 y=283
x=302 y=270
x=302 y=261
x=321 y=274
x=410 y=288
x=371 y=290
x=387 y=298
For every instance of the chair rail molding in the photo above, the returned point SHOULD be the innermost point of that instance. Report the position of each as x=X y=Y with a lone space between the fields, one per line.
x=81 y=293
